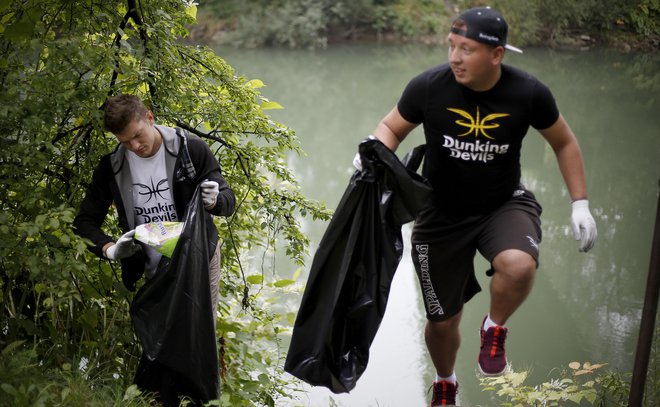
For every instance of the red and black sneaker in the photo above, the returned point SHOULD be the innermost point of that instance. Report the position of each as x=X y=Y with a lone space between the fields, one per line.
x=444 y=393
x=492 y=357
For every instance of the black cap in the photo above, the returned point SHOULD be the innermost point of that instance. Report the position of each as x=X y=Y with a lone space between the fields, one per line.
x=485 y=25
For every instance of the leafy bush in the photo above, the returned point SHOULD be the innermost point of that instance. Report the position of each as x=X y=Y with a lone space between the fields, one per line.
x=645 y=18
x=24 y=382
x=576 y=386
x=542 y=22
x=310 y=24
x=411 y=19
x=296 y=24
x=67 y=309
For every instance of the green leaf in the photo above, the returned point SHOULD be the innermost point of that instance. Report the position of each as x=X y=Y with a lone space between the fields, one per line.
x=9 y=389
x=227 y=327
x=263 y=379
x=9 y=348
x=255 y=83
x=191 y=10
x=268 y=105
x=132 y=392
x=65 y=240
x=255 y=279
x=591 y=396
x=39 y=288
x=283 y=283
x=3 y=25
x=296 y=274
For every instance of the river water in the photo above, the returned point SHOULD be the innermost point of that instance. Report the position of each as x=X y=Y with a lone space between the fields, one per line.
x=584 y=307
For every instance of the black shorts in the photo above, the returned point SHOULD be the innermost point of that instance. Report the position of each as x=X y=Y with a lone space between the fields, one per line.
x=443 y=249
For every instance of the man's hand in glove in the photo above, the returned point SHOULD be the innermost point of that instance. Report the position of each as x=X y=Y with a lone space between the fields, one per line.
x=357 y=161
x=125 y=247
x=210 y=191
x=583 y=224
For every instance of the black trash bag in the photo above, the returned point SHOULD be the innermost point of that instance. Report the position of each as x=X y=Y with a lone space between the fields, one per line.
x=173 y=319
x=352 y=270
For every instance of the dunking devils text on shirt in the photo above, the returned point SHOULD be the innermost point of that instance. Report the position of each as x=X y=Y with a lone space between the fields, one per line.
x=477 y=151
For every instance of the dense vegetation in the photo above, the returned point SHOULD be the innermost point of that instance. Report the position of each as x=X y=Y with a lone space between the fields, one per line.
x=312 y=23
x=65 y=332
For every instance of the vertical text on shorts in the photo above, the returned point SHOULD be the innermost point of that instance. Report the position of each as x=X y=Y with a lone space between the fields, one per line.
x=432 y=304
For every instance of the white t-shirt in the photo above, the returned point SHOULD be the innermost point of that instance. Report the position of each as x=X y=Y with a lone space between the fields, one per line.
x=152 y=197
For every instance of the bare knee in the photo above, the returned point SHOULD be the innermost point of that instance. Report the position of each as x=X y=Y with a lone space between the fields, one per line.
x=515 y=266
x=443 y=328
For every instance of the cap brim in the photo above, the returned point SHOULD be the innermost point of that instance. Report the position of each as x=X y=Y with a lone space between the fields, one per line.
x=512 y=48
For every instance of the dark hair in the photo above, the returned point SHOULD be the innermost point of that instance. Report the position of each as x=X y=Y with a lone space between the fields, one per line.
x=459 y=24
x=120 y=110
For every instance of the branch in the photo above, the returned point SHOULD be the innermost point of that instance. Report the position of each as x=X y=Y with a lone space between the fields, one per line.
x=199 y=62
x=117 y=42
x=137 y=18
x=134 y=15
x=63 y=133
x=201 y=134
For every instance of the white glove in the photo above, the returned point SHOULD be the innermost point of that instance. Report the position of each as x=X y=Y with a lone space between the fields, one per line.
x=357 y=162
x=210 y=191
x=583 y=224
x=125 y=247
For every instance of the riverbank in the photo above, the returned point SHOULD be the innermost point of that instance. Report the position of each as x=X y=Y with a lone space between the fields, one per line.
x=215 y=32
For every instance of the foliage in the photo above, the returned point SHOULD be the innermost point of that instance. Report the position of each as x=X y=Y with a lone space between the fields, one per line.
x=240 y=332
x=576 y=386
x=542 y=22
x=311 y=24
x=410 y=19
x=296 y=24
x=645 y=17
x=25 y=383
x=59 y=60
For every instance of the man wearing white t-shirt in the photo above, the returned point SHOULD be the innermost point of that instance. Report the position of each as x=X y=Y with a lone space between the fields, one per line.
x=151 y=176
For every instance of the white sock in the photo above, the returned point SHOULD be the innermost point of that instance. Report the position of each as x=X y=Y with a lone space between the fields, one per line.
x=488 y=323
x=451 y=378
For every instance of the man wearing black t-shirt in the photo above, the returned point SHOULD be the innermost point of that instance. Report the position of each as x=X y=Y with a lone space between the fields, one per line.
x=476 y=112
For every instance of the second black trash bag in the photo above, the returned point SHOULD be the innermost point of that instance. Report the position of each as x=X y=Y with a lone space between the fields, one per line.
x=352 y=270
x=173 y=319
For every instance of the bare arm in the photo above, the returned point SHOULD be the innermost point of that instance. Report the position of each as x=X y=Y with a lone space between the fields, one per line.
x=569 y=157
x=393 y=129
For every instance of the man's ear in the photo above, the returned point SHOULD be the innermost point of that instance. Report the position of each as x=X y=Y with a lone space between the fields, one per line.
x=150 y=117
x=498 y=55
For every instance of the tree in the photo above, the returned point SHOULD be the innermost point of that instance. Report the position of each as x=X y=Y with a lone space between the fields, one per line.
x=60 y=60
x=314 y=23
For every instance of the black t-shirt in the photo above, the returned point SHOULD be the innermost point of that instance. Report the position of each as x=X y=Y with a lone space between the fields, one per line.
x=474 y=138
